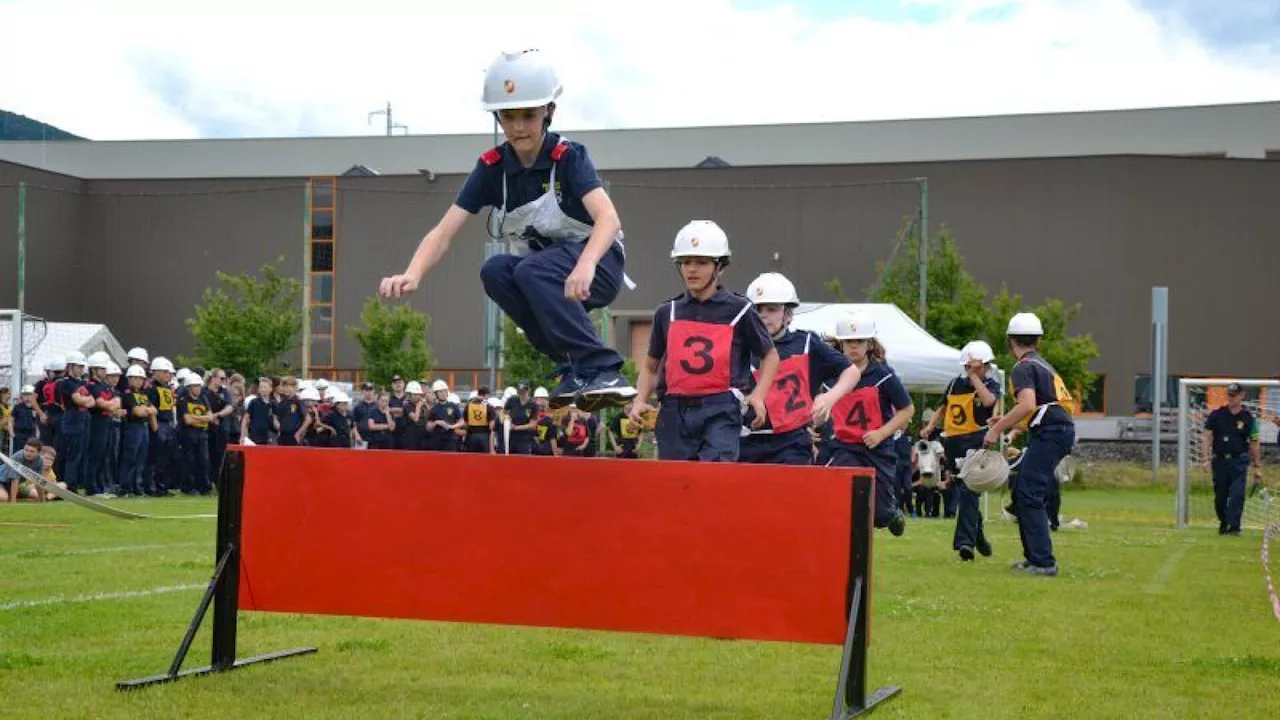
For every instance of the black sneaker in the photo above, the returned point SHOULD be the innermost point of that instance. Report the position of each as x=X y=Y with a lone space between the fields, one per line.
x=898 y=524
x=966 y=553
x=1222 y=528
x=563 y=394
x=1036 y=570
x=984 y=547
x=609 y=383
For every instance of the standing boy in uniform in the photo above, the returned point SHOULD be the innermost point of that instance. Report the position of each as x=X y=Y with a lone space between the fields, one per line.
x=564 y=233
x=970 y=401
x=164 y=440
x=700 y=352
x=1232 y=438
x=139 y=422
x=1045 y=405
x=524 y=418
x=195 y=418
x=73 y=433
x=480 y=418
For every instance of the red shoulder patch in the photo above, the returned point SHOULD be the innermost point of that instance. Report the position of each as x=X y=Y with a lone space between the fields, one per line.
x=491 y=157
x=559 y=150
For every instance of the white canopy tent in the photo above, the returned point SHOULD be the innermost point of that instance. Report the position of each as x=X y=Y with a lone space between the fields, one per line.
x=923 y=363
x=46 y=340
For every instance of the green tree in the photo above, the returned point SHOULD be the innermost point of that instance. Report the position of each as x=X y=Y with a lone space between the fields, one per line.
x=247 y=323
x=520 y=361
x=393 y=341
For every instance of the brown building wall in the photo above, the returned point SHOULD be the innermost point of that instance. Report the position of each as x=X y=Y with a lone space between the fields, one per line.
x=53 y=223
x=1101 y=231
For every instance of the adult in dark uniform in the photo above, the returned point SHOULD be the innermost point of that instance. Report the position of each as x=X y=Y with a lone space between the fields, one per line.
x=73 y=432
x=969 y=403
x=378 y=424
x=220 y=429
x=259 y=415
x=700 y=352
x=1232 y=438
x=480 y=417
x=866 y=420
x=291 y=418
x=194 y=418
x=564 y=233
x=523 y=416
x=794 y=400
x=163 y=444
x=1043 y=406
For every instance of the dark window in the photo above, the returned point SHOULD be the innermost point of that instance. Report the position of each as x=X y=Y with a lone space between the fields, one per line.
x=322 y=257
x=1093 y=398
x=1273 y=154
x=1143 y=395
x=322 y=225
x=321 y=288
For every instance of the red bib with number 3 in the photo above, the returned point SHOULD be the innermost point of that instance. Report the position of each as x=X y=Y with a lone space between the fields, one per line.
x=698 y=358
x=789 y=402
x=857 y=414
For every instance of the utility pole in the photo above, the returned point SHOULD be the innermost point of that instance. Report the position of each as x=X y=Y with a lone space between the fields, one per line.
x=391 y=124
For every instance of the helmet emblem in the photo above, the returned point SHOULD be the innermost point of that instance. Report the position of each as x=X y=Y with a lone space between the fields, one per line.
x=509 y=86
x=759 y=291
x=693 y=242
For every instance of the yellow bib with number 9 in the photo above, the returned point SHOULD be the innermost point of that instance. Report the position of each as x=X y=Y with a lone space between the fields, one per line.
x=959 y=419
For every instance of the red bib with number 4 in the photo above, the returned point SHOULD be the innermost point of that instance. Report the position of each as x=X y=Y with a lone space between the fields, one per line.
x=698 y=358
x=857 y=414
x=789 y=402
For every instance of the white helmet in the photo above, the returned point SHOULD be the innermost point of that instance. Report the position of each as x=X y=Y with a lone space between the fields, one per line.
x=162 y=363
x=322 y=384
x=772 y=288
x=494 y=401
x=193 y=380
x=28 y=389
x=341 y=397
x=113 y=369
x=439 y=386
x=305 y=384
x=413 y=387
x=1025 y=324
x=75 y=357
x=520 y=80
x=860 y=325
x=701 y=238
x=98 y=359
x=984 y=470
x=453 y=398
x=541 y=393
x=309 y=394
x=977 y=350
x=138 y=354
x=509 y=393
x=135 y=371
x=55 y=364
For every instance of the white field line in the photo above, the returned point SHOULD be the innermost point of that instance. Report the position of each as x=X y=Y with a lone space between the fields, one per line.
x=95 y=597
x=49 y=553
x=1156 y=586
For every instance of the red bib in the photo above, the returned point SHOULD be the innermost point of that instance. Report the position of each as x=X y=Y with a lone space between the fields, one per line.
x=698 y=358
x=789 y=403
x=577 y=434
x=857 y=414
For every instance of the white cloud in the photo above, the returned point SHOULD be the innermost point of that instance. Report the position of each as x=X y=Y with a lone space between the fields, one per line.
x=149 y=68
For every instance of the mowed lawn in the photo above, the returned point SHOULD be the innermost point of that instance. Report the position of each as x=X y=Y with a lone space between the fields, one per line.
x=1145 y=622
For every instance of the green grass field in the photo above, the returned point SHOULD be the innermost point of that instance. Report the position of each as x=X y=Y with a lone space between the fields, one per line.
x=1144 y=622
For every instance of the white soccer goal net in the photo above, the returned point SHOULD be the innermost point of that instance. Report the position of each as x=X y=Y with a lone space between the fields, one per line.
x=19 y=342
x=1196 y=399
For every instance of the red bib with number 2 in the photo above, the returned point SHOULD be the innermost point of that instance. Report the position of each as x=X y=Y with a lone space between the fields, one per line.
x=698 y=358
x=857 y=414
x=789 y=403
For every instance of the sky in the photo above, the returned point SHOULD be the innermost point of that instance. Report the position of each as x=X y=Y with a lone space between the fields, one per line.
x=159 y=69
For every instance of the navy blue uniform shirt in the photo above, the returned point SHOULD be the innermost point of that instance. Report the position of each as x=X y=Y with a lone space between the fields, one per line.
x=520 y=413
x=750 y=338
x=961 y=385
x=131 y=400
x=260 y=412
x=1232 y=432
x=290 y=413
x=341 y=425
x=162 y=397
x=67 y=387
x=187 y=405
x=575 y=177
x=1033 y=372
x=825 y=362
x=24 y=421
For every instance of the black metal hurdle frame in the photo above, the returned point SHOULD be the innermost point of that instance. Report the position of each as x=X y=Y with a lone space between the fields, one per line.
x=223 y=592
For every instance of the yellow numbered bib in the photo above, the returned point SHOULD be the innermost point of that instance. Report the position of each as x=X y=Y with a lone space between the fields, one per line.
x=630 y=430
x=959 y=419
x=477 y=414
x=165 y=396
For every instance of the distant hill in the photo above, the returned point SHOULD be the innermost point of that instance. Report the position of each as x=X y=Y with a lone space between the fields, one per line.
x=20 y=127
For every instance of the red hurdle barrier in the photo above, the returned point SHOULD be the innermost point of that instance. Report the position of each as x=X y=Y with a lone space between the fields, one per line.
x=749 y=552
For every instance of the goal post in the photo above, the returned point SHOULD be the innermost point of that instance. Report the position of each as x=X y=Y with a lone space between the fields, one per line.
x=1197 y=397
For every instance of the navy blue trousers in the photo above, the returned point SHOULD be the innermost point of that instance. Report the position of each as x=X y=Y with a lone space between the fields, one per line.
x=1230 y=475
x=134 y=438
x=789 y=448
x=530 y=290
x=705 y=429
x=1036 y=483
x=886 y=466
x=969 y=530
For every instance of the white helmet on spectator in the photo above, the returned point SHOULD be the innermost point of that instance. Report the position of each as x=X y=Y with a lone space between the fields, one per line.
x=772 y=288
x=453 y=398
x=340 y=397
x=28 y=389
x=138 y=353
x=860 y=325
x=98 y=360
x=541 y=393
x=55 y=364
x=321 y=384
x=509 y=393
x=494 y=401
x=520 y=80
x=75 y=357
x=439 y=386
x=162 y=364
x=1025 y=324
x=135 y=371
x=977 y=350
x=112 y=368
x=192 y=380
x=309 y=394
x=984 y=470
x=413 y=387
x=701 y=238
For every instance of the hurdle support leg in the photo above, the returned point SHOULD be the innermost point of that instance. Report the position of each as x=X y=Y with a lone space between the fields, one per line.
x=851 y=699
x=223 y=592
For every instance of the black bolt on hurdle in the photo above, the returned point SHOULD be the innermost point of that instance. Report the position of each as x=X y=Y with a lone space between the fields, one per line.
x=851 y=687
x=223 y=592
